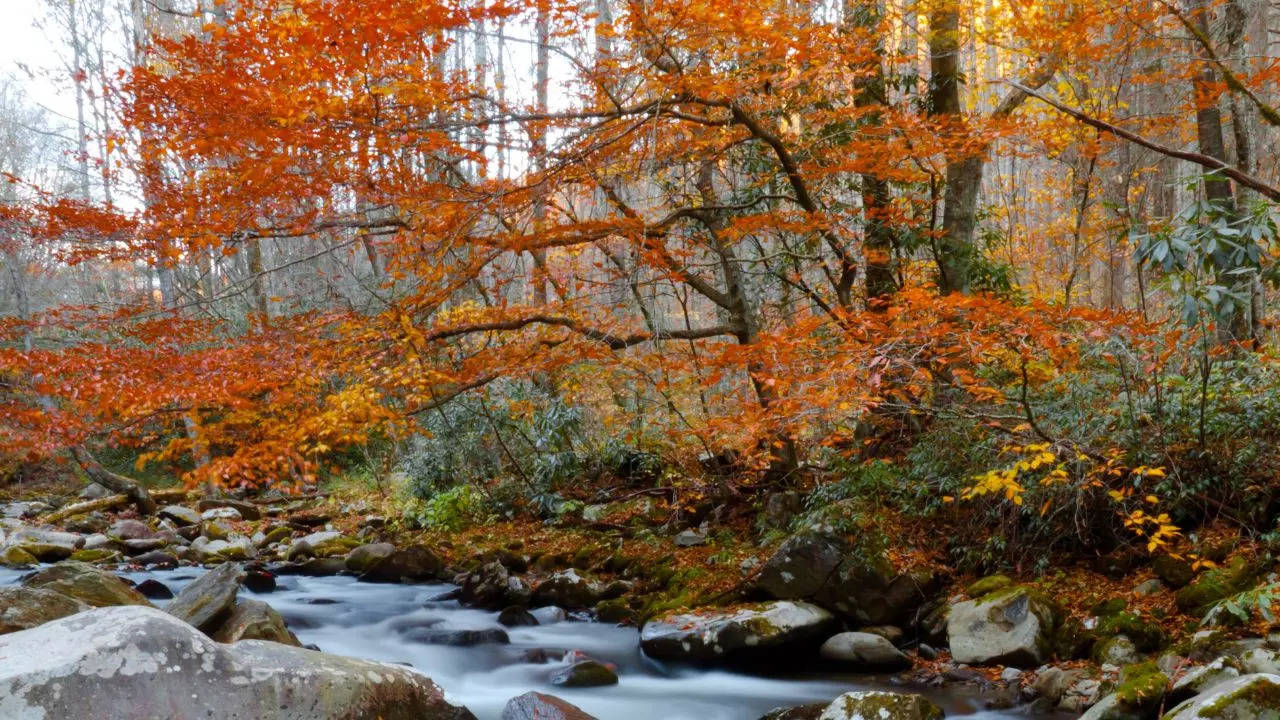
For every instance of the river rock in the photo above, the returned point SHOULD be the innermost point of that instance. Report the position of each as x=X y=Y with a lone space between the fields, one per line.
x=180 y=514
x=207 y=601
x=1248 y=697
x=364 y=557
x=100 y=540
x=88 y=524
x=568 y=589
x=22 y=608
x=46 y=545
x=156 y=558
x=1213 y=585
x=538 y=706
x=1175 y=572
x=16 y=557
x=314 y=567
x=824 y=569
x=142 y=545
x=255 y=620
x=1013 y=626
x=94 y=491
x=456 y=637
x=1118 y=651
x=95 y=556
x=493 y=586
x=85 y=583
x=864 y=652
x=246 y=510
x=154 y=589
x=134 y=662
x=1203 y=678
x=516 y=616
x=749 y=630
x=877 y=705
x=588 y=673
x=130 y=530
x=413 y=563
x=221 y=513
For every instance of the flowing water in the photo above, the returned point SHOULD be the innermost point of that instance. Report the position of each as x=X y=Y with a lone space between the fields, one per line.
x=377 y=622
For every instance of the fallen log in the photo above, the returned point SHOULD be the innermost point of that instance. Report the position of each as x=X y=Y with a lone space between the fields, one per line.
x=113 y=481
x=110 y=502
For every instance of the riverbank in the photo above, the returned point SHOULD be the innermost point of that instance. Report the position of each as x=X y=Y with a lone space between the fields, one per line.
x=1121 y=638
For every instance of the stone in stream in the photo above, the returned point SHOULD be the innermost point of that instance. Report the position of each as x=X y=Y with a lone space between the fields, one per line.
x=493 y=586
x=96 y=555
x=456 y=637
x=827 y=571
x=130 y=530
x=864 y=652
x=137 y=662
x=538 y=706
x=180 y=514
x=46 y=545
x=208 y=600
x=22 y=608
x=259 y=580
x=516 y=616
x=142 y=545
x=154 y=589
x=760 y=629
x=85 y=583
x=16 y=557
x=1012 y=626
x=412 y=563
x=88 y=524
x=568 y=589
x=255 y=620
x=1248 y=697
x=588 y=673
x=798 y=712
x=156 y=558
x=364 y=557
x=867 y=705
x=313 y=567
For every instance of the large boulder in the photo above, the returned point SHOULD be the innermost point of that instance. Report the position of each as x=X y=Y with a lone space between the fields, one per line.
x=22 y=608
x=812 y=711
x=137 y=662
x=364 y=557
x=864 y=652
x=568 y=589
x=743 y=633
x=412 y=563
x=46 y=545
x=86 y=583
x=208 y=600
x=492 y=586
x=538 y=706
x=1236 y=576
x=1202 y=678
x=828 y=571
x=255 y=620
x=1013 y=626
x=1248 y=697
x=877 y=705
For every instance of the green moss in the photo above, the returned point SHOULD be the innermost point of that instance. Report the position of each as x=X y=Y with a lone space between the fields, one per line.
x=1146 y=635
x=1234 y=577
x=1261 y=694
x=988 y=585
x=1141 y=684
x=1109 y=607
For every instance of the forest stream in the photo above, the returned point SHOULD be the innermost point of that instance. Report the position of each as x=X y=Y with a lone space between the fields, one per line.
x=377 y=621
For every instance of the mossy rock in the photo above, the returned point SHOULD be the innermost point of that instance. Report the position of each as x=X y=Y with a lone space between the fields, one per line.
x=1111 y=606
x=1174 y=572
x=1146 y=635
x=1073 y=641
x=1116 y=650
x=614 y=611
x=988 y=585
x=17 y=557
x=1248 y=697
x=881 y=705
x=1142 y=684
x=1236 y=576
x=95 y=555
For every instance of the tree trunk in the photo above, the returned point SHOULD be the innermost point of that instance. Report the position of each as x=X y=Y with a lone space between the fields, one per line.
x=111 y=481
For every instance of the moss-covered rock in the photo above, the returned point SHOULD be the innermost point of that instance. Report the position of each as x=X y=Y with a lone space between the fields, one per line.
x=1012 y=626
x=881 y=706
x=750 y=630
x=22 y=608
x=96 y=555
x=87 y=584
x=988 y=585
x=1072 y=640
x=1176 y=572
x=1115 y=650
x=16 y=557
x=1203 y=678
x=1146 y=635
x=1238 y=575
x=1248 y=697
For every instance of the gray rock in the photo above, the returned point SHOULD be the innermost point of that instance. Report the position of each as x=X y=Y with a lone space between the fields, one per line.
x=864 y=652
x=690 y=538
x=1118 y=651
x=94 y=491
x=86 y=583
x=221 y=513
x=1150 y=587
x=411 y=564
x=180 y=514
x=1203 y=678
x=516 y=616
x=568 y=589
x=1052 y=683
x=141 y=545
x=876 y=705
x=364 y=557
x=246 y=510
x=1248 y=697
x=100 y=540
x=130 y=530
x=255 y=620
x=749 y=630
x=141 y=663
x=1260 y=660
x=208 y=600
x=798 y=712
x=45 y=545
x=87 y=524
x=1010 y=627
x=537 y=706
x=22 y=608
x=588 y=673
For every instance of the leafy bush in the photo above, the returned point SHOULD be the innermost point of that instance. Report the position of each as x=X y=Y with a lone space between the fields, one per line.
x=454 y=509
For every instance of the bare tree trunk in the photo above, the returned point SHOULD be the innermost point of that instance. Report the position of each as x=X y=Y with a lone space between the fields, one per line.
x=116 y=483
